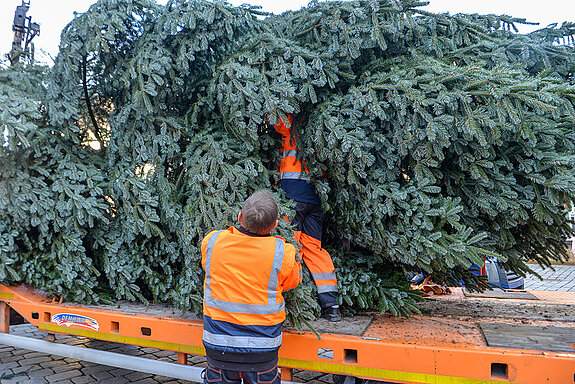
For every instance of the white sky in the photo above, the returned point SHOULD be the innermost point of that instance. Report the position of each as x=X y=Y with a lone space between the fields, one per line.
x=53 y=15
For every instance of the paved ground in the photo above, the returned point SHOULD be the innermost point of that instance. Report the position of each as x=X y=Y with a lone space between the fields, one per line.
x=35 y=367
x=562 y=279
x=25 y=367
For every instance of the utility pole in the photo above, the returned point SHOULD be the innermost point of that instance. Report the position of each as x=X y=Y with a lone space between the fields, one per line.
x=24 y=31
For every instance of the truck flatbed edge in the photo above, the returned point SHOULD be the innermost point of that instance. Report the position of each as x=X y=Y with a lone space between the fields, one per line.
x=440 y=347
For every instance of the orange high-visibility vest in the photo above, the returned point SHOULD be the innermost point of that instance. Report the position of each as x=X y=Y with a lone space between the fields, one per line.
x=246 y=275
x=290 y=166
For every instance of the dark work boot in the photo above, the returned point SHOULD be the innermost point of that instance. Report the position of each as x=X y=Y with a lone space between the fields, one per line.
x=331 y=313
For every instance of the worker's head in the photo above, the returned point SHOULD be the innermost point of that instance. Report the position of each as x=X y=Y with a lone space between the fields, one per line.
x=259 y=213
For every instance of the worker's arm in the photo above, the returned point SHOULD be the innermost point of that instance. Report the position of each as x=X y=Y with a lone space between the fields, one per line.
x=291 y=272
x=282 y=129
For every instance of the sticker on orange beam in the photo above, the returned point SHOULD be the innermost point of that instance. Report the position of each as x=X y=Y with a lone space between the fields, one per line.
x=6 y=295
x=383 y=374
x=166 y=345
x=70 y=319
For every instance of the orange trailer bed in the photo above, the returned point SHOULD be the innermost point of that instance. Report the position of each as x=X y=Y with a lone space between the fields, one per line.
x=423 y=349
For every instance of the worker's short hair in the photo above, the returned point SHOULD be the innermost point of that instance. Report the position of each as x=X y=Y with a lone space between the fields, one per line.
x=260 y=212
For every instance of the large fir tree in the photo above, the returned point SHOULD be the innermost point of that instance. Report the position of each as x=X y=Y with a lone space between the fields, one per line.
x=432 y=140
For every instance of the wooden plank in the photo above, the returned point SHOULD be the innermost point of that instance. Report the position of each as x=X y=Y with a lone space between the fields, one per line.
x=536 y=338
x=502 y=294
x=355 y=325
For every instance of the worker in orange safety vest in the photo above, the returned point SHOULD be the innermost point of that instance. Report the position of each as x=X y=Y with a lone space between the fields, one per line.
x=309 y=223
x=246 y=272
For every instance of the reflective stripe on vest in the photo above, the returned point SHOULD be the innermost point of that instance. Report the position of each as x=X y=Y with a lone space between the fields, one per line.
x=324 y=276
x=293 y=176
x=257 y=309
x=289 y=153
x=242 y=341
x=326 y=288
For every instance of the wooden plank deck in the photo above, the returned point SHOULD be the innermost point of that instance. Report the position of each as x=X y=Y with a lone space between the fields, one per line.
x=536 y=338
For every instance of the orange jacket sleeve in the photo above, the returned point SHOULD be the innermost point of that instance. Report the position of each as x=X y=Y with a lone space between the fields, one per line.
x=282 y=129
x=291 y=274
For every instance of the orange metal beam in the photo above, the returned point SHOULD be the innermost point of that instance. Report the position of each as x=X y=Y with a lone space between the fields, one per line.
x=416 y=364
x=286 y=374
x=338 y=354
x=4 y=317
x=182 y=358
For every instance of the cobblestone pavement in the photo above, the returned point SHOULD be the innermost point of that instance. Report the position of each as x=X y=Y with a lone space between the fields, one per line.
x=26 y=367
x=35 y=368
x=561 y=279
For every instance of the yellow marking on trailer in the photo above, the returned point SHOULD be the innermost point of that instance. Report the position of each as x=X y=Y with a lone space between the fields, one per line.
x=6 y=295
x=195 y=350
x=376 y=373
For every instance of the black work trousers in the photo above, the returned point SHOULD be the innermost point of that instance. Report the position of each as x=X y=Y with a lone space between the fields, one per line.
x=224 y=376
